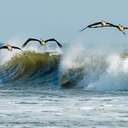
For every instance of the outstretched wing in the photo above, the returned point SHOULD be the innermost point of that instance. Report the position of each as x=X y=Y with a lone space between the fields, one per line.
x=90 y=25
x=125 y=27
x=60 y=45
x=30 y=39
x=17 y=48
x=4 y=47
x=108 y=25
x=111 y=25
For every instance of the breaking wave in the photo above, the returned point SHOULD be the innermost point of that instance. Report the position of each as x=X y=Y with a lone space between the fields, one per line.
x=76 y=68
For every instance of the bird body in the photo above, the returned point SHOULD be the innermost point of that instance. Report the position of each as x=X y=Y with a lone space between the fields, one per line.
x=95 y=25
x=103 y=23
x=10 y=47
x=42 y=42
x=106 y=24
x=122 y=28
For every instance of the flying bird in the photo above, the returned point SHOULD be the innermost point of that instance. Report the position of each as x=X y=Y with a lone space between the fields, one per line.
x=101 y=23
x=120 y=28
x=10 y=47
x=42 y=42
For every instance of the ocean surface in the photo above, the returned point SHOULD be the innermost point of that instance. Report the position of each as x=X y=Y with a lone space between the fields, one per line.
x=51 y=89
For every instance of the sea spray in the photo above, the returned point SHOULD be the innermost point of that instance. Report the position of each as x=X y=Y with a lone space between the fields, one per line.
x=115 y=76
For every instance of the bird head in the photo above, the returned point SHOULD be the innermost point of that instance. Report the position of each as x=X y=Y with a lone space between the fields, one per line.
x=103 y=22
x=43 y=42
x=9 y=47
x=121 y=27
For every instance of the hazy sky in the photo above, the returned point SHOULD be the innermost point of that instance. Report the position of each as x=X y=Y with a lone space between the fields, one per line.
x=62 y=19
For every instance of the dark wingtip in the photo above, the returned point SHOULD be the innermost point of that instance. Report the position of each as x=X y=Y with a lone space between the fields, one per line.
x=60 y=45
x=83 y=29
x=23 y=45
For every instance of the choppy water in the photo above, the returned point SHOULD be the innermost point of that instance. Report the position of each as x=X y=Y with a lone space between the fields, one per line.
x=38 y=108
x=55 y=90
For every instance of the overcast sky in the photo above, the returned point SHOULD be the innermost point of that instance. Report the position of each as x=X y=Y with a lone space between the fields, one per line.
x=62 y=19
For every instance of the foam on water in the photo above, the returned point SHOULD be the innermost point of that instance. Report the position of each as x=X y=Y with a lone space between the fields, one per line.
x=102 y=70
x=74 y=57
x=115 y=76
x=98 y=69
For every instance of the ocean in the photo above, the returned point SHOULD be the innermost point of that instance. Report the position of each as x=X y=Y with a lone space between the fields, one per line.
x=55 y=90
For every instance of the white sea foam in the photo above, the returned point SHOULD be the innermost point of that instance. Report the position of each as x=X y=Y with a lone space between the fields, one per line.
x=115 y=76
x=103 y=70
x=74 y=57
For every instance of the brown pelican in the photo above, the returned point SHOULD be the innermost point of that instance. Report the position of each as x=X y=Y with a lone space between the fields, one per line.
x=120 y=28
x=10 y=47
x=101 y=23
x=42 y=42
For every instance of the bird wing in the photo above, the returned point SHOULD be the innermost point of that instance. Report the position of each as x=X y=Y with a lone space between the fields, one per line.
x=90 y=25
x=17 y=48
x=108 y=25
x=30 y=39
x=111 y=25
x=60 y=45
x=94 y=24
x=4 y=47
x=125 y=27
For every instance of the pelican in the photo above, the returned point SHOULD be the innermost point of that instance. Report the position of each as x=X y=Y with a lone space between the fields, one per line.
x=42 y=42
x=94 y=25
x=10 y=47
x=120 y=28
